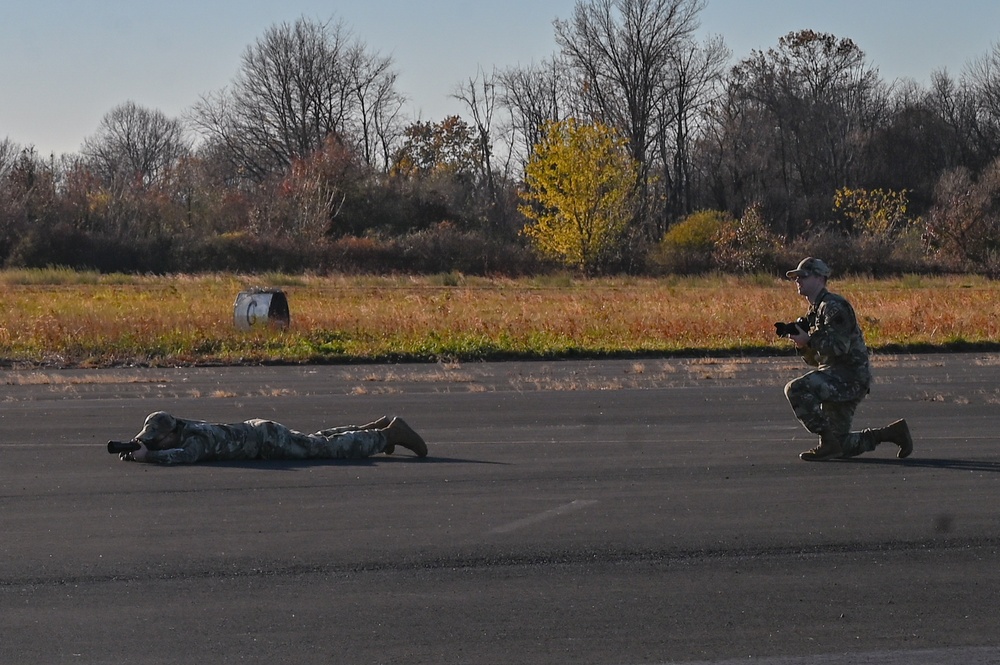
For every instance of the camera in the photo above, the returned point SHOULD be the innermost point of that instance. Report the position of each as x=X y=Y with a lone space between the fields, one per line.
x=800 y=325
x=115 y=447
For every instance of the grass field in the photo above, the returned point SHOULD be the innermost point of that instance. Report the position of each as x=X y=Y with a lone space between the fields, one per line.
x=58 y=318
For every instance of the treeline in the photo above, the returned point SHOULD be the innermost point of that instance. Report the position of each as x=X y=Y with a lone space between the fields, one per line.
x=306 y=162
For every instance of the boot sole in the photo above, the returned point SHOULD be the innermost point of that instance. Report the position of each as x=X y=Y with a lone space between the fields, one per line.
x=411 y=440
x=906 y=447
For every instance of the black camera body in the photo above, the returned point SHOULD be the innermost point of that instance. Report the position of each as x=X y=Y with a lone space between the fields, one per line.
x=115 y=447
x=800 y=325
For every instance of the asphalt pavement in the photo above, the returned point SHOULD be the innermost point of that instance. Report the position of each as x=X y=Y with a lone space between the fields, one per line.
x=626 y=511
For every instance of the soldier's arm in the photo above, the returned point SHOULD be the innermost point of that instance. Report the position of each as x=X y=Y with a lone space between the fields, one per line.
x=809 y=355
x=834 y=326
x=802 y=343
x=191 y=450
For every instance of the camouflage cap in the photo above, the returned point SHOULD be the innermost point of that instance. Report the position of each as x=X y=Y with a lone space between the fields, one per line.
x=809 y=266
x=158 y=425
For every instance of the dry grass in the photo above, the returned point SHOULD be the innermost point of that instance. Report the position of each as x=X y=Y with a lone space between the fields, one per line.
x=57 y=379
x=61 y=318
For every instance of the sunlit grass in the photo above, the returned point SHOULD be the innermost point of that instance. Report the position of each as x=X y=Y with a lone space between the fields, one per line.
x=63 y=318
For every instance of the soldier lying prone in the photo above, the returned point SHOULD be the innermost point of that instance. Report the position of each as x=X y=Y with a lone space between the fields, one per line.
x=165 y=439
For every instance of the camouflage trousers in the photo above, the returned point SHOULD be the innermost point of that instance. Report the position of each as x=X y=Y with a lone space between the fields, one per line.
x=825 y=404
x=276 y=441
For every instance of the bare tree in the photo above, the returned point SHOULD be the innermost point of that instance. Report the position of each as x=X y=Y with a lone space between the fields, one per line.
x=29 y=200
x=299 y=84
x=379 y=107
x=813 y=104
x=984 y=74
x=698 y=83
x=8 y=154
x=534 y=96
x=981 y=82
x=625 y=54
x=481 y=98
x=952 y=104
x=135 y=146
x=132 y=155
x=13 y=194
x=479 y=95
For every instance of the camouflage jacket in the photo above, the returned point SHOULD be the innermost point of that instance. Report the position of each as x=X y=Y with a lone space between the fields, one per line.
x=201 y=441
x=836 y=343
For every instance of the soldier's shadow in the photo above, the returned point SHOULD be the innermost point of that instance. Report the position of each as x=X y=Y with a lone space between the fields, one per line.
x=377 y=460
x=931 y=463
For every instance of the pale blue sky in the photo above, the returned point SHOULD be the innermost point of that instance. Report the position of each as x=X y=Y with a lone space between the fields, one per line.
x=65 y=63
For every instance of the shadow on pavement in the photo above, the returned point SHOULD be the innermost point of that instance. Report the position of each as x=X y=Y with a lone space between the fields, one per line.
x=933 y=463
x=288 y=465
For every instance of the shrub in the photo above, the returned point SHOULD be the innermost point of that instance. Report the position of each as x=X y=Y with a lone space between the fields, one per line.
x=688 y=246
x=363 y=255
x=444 y=248
x=963 y=227
x=64 y=245
x=839 y=250
x=43 y=246
x=241 y=252
x=747 y=245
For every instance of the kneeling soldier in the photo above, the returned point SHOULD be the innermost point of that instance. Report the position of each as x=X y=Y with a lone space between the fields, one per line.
x=824 y=400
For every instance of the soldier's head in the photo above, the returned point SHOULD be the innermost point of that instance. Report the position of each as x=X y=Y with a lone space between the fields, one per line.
x=159 y=432
x=810 y=276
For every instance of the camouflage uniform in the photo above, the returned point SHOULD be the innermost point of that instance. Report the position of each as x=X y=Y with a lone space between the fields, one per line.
x=824 y=400
x=173 y=440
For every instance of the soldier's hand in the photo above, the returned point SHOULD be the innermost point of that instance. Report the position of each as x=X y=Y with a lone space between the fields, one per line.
x=135 y=455
x=801 y=338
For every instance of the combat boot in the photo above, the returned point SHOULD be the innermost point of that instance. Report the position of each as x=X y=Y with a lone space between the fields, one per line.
x=826 y=449
x=398 y=433
x=898 y=433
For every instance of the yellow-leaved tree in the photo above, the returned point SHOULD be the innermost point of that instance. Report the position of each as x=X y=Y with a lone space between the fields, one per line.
x=579 y=190
x=874 y=212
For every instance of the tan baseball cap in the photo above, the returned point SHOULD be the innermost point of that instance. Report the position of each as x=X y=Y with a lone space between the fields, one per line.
x=809 y=266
